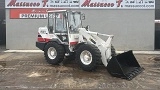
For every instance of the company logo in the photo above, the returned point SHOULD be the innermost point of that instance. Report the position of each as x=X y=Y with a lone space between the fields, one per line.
x=88 y=3
x=15 y=3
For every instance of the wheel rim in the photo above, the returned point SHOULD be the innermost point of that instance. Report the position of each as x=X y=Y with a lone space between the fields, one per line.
x=52 y=53
x=86 y=57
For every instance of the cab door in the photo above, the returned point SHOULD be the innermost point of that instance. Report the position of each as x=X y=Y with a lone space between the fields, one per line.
x=57 y=25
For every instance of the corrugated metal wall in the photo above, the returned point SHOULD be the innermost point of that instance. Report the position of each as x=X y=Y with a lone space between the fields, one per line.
x=157 y=11
x=2 y=5
x=2 y=25
x=128 y=27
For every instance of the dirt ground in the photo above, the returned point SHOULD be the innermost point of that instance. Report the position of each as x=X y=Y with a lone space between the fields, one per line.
x=29 y=71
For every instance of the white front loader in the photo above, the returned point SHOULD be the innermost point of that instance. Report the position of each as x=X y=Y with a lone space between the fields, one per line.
x=64 y=37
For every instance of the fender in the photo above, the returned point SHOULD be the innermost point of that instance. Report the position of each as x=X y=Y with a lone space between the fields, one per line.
x=65 y=45
x=41 y=45
x=78 y=45
x=55 y=40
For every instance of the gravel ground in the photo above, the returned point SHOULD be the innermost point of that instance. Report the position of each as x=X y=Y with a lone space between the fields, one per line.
x=30 y=71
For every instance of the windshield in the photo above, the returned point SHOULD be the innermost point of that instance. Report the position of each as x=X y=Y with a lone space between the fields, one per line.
x=60 y=24
x=75 y=21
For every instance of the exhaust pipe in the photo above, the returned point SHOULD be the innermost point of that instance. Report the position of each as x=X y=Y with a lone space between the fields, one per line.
x=124 y=66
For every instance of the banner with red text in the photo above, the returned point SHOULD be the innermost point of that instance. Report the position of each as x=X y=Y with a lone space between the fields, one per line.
x=117 y=4
x=42 y=3
x=82 y=4
x=29 y=13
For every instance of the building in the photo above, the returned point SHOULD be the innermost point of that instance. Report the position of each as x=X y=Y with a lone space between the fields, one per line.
x=130 y=21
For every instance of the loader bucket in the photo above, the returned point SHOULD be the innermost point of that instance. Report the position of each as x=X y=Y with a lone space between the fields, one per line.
x=124 y=66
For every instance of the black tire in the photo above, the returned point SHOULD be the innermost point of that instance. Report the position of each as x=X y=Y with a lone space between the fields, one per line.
x=59 y=49
x=95 y=54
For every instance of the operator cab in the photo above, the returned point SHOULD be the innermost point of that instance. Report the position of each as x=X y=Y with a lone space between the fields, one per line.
x=57 y=22
x=63 y=22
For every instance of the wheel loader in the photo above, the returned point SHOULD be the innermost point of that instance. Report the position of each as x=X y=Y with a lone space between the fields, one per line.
x=64 y=36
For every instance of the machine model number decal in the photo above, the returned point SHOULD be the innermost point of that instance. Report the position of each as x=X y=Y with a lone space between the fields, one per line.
x=43 y=32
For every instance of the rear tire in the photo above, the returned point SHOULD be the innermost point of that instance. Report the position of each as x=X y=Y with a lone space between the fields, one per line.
x=54 y=53
x=88 y=56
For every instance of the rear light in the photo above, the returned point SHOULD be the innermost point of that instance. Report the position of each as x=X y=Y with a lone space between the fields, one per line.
x=73 y=43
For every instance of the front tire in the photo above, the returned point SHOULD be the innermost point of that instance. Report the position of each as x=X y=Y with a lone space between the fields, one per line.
x=54 y=53
x=88 y=56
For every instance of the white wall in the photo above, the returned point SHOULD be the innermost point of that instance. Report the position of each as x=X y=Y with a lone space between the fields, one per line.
x=133 y=29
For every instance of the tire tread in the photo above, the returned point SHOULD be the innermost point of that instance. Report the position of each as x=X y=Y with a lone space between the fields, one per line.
x=60 y=52
x=96 y=55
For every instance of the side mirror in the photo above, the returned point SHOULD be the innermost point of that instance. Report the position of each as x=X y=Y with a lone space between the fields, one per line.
x=50 y=28
x=83 y=16
x=87 y=27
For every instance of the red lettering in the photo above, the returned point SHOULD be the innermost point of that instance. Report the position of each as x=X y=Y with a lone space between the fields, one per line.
x=31 y=4
x=112 y=4
x=91 y=5
x=44 y=2
x=109 y=4
x=38 y=4
x=86 y=3
x=34 y=4
x=102 y=4
x=17 y=4
x=105 y=5
x=27 y=4
x=12 y=3
x=23 y=4
x=96 y=4
x=119 y=3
